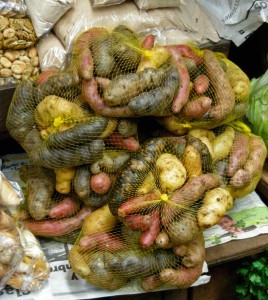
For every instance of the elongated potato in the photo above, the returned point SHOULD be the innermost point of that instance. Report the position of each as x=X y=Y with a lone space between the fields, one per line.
x=192 y=161
x=223 y=143
x=224 y=94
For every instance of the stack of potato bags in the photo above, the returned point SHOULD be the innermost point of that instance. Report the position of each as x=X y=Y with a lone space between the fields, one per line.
x=134 y=204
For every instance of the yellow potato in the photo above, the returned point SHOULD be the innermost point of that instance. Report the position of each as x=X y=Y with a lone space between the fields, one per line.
x=148 y=185
x=153 y=58
x=215 y=204
x=100 y=220
x=64 y=177
x=172 y=173
x=222 y=144
x=192 y=161
x=198 y=133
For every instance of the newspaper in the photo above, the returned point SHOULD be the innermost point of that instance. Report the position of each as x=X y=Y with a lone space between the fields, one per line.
x=63 y=283
x=247 y=218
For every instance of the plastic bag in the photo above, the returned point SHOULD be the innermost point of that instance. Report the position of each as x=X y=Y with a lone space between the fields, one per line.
x=235 y=20
x=82 y=17
x=17 y=65
x=13 y=8
x=17 y=33
x=100 y=3
x=23 y=264
x=51 y=52
x=44 y=14
x=149 y=4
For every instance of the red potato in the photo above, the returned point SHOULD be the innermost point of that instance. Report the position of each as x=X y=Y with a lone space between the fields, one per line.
x=224 y=94
x=193 y=253
x=148 y=42
x=100 y=183
x=238 y=154
x=184 y=86
x=196 y=108
x=48 y=228
x=82 y=54
x=148 y=237
x=150 y=283
x=103 y=82
x=64 y=208
x=138 y=222
x=181 y=278
x=138 y=203
x=43 y=77
x=129 y=143
x=90 y=95
x=188 y=52
x=253 y=164
x=102 y=241
x=191 y=192
x=201 y=84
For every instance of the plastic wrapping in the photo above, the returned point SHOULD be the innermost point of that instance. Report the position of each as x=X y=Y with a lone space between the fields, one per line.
x=13 y=8
x=17 y=33
x=152 y=4
x=10 y=193
x=45 y=13
x=100 y=3
x=11 y=248
x=51 y=52
x=23 y=264
x=82 y=17
x=17 y=65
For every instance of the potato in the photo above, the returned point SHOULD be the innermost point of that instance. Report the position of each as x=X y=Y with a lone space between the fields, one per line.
x=192 y=161
x=184 y=230
x=222 y=144
x=153 y=58
x=147 y=186
x=64 y=177
x=239 y=81
x=101 y=220
x=54 y=110
x=198 y=133
x=172 y=173
x=215 y=204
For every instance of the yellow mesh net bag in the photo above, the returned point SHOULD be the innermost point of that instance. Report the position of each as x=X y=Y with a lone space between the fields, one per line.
x=145 y=235
x=182 y=85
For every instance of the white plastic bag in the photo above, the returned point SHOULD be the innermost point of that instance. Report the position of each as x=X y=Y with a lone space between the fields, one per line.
x=51 y=52
x=151 y=4
x=99 y=3
x=82 y=16
x=45 y=13
x=235 y=20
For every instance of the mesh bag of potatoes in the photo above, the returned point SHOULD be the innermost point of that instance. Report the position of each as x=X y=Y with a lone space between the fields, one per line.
x=124 y=76
x=149 y=233
x=74 y=153
x=238 y=156
x=23 y=264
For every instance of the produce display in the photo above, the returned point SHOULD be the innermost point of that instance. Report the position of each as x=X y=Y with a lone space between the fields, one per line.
x=17 y=33
x=23 y=264
x=133 y=205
